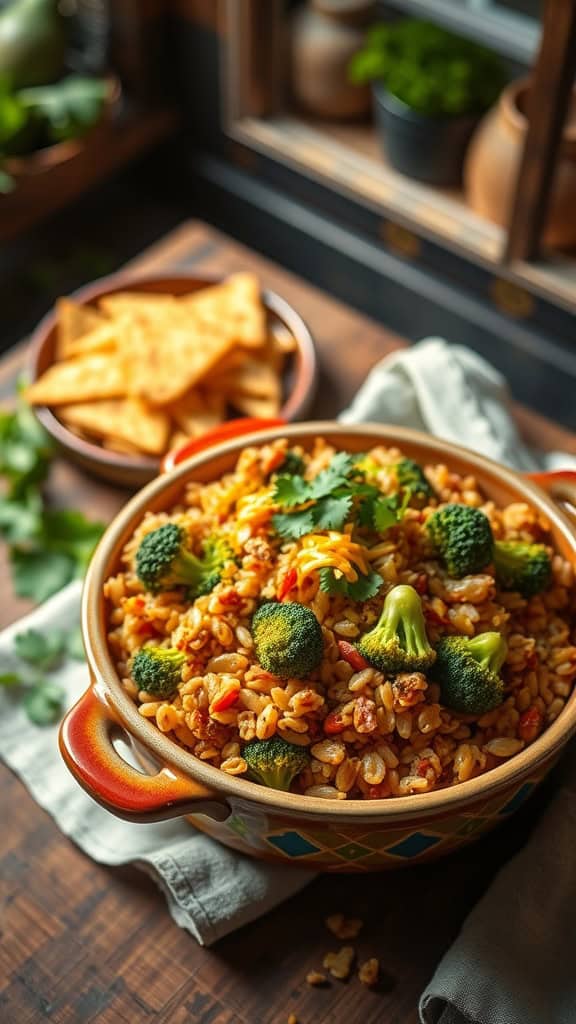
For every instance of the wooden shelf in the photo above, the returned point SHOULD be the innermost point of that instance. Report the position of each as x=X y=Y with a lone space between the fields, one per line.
x=109 y=147
x=348 y=158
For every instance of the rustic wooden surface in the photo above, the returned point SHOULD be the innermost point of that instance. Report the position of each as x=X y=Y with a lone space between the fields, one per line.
x=80 y=943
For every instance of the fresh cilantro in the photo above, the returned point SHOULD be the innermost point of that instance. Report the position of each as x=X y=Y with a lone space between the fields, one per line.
x=293 y=464
x=291 y=490
x=365 y=587
x=384 y=513
x=332 y=513
x=333 y=498
x=44 y=703
x=44 y=650
x=10 y=679
x=294 y=525
x=42 y=698
x=331 y=478
x=48 y=547
x=38 y=574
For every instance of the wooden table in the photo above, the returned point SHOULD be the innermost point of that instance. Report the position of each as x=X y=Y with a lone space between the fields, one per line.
x=82 y=943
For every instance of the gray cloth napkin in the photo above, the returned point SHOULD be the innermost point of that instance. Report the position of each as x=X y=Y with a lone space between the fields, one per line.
x=445 y=390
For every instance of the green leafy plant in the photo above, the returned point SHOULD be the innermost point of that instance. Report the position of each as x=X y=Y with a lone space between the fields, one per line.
x=41 y=653
x=66 y=109
x=339 y=494
x=48 y=547
x=428 y=68
x=33 y=118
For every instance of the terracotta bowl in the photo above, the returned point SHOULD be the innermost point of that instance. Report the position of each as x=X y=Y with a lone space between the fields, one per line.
x=352 y=835
x=299 y=378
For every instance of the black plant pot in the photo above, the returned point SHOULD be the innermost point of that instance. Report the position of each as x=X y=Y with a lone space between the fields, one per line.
x=429 y=148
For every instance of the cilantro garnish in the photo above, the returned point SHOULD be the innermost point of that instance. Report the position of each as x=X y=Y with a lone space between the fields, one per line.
x=365 y=587
x=44 y=650
x=294 y=525
x=48 y=547
x=332 y=499
x=40 y=654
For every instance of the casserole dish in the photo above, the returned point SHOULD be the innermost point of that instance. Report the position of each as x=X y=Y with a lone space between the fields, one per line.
x=351 y=835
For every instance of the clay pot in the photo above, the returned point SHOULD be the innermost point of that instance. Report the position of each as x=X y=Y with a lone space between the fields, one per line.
x=324 y=36
x=493 y=159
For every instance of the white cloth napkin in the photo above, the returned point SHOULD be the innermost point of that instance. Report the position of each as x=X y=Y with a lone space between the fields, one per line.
x=451 y=392
x=211 y=890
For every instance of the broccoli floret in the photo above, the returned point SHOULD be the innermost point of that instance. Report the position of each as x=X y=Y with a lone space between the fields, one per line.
x=462 y=537
x=413 y=482
x=398 y=642
x=468 y=671
x=157 y=669
x=293 y=464
x=274 y=762
x=521 y=566
x=288 y=639
x=163 y=561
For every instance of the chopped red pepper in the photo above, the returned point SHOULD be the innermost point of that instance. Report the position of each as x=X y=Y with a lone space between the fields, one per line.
x=380 y=791
x=230 y=598
x=288 y=582
x=274 y=460
x=349 y=653
x=225 y=700
x=530 y=724
x=421 y=584
x=146 y=629
x=333 y=723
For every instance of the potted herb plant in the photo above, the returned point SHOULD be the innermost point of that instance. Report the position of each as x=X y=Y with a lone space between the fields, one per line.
x=430 y=88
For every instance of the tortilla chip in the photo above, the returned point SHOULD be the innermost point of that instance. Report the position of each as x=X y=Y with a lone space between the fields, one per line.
x=74 y=321
x=168 y=359
x=126 y=420
x=252 y=378
x=281 y=339
x=235 y=306
x=84 y=379
x=141 y=305
x=101 y=339
x=177 y=439
x=235 y=357
x=251 y=406
x=122 y=447
x=195 y=413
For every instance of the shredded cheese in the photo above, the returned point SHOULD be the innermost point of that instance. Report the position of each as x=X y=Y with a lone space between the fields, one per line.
x=332 y=550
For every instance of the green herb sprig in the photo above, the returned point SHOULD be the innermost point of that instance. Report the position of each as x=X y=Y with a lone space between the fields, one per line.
x=340 y=494
x=333 y=498
x=41 y=653
x=47 y=547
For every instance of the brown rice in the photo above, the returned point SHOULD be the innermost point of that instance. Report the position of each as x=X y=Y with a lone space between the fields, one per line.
x=397 y=738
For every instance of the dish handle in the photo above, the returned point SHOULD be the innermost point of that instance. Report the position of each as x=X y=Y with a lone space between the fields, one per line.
x=86 y=736
x=559 y=484
x=223 y=432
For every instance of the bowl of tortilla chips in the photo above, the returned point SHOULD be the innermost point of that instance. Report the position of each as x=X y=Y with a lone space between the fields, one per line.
x=129 y=368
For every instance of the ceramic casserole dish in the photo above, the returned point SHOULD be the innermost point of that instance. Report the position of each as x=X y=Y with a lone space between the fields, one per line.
x=347 y=835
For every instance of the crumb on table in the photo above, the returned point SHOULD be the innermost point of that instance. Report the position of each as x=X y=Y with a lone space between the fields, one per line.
x=340 y=964
x=368 y=971
x=316 y=978
x=342 y=927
